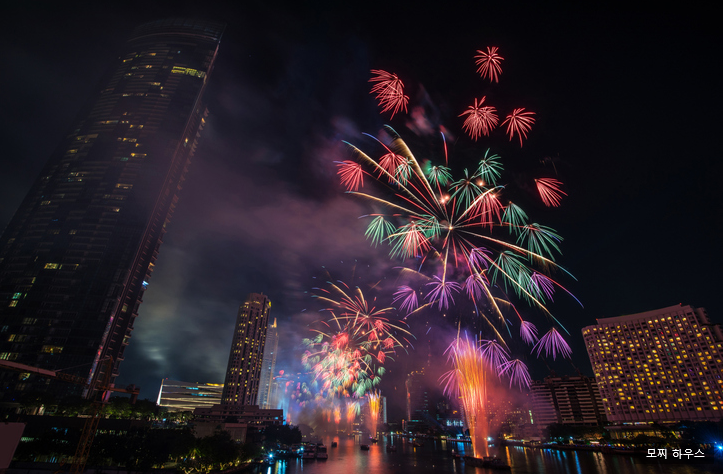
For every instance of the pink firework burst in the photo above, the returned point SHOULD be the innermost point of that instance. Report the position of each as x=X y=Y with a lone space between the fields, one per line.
x=518 y=373
x=519 y=122
x=494 y=353
x=550 y=191
x=480 y=120
x=541 y=285
x=408 y=298
x=474 y=286
x=442 y=292
x=528 y=332
x=553 y=344
x=350 y=174
x=389 y=91
x=489 y=63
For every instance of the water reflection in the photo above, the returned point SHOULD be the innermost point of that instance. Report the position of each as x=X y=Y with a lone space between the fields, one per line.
x=434 y=456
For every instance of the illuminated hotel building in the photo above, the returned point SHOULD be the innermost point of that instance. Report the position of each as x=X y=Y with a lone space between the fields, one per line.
x=76 y=258
x=243 y=372
x=187 y=396
x=659 y=366
x=269 y=362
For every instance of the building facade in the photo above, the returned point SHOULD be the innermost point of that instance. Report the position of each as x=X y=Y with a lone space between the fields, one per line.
x=419 y=409
x=268 y=365
x=243 y=372
x=658 y=366
x=76 y=258
x=187 y=396
x=566 y=400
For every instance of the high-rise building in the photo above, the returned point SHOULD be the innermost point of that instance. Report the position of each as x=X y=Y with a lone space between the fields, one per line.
x=187 y=396
x=658 y=366
x=243 y=372
x=77 y=255
x=566 y=400
x=269 y=362
x=419 y=409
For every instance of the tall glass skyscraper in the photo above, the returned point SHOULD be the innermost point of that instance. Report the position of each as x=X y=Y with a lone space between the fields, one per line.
x=269 y=362
x=76 y=257
x=243 y=373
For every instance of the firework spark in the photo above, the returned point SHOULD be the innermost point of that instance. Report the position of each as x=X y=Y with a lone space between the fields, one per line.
x=389 y=91
x=468 y=381
x=480 y=120
x=489 y=63
x=519 y=123
x=350 y=174
x=550 y=191
x=553 y=344
x=373 y=405
x=347 y=354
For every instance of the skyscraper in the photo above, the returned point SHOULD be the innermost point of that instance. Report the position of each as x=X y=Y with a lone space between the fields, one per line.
x=663 y=365
x=266 y=381
x=76 y=257
x=243 y=372
x=418 y=401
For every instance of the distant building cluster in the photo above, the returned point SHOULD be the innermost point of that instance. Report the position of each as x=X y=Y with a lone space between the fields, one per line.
x=661 y=366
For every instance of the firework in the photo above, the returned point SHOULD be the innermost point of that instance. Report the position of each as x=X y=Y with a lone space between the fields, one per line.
x=468 y=381
x=464 y=237
x=480 y=120
x=350 y=174
x=389 y=92
x=489 y=63
x=550 y=191
x=347 y=355
x=373 y=404
x=553 y=344
x=519 y=123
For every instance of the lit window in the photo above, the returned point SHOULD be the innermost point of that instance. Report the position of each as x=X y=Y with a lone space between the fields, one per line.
x=52 y=266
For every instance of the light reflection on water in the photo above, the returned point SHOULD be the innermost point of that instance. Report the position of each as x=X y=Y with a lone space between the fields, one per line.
x=434 y=457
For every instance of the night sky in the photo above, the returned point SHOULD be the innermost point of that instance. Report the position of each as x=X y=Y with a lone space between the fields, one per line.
x=627 y=102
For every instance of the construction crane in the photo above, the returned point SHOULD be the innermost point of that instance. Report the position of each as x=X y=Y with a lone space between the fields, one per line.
x=97 y=393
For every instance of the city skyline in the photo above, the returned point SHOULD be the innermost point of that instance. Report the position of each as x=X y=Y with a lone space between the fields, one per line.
x=638 y=186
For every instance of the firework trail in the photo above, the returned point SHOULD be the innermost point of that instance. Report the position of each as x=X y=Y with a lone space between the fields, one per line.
x=352 y=410
x=373 y=405
x=468 y=382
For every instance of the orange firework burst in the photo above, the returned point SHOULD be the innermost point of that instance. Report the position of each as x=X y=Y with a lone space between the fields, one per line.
x=468 y=381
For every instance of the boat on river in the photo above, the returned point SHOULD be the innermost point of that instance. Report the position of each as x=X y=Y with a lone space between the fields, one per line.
x=322 y=452
x=310 y=452
x=491 y=462
x=364 y=447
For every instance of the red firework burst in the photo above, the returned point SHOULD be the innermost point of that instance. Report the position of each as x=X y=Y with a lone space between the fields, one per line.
x=389 y=91
x=519 y=122
x=489 y=63
x=480 y=120
x=550 y=191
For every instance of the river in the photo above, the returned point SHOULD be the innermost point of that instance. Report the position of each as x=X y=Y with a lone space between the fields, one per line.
x=434 y=457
